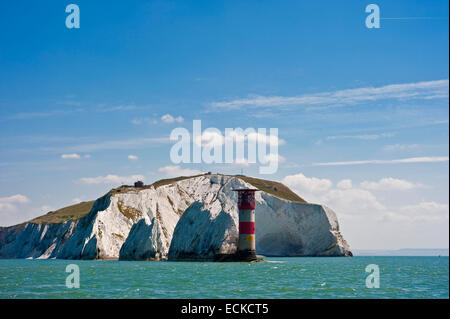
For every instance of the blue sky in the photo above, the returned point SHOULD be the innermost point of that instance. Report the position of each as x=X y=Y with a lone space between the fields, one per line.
x=76 y=103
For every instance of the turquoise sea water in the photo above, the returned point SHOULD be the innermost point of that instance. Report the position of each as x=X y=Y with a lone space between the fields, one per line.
x=400 y=277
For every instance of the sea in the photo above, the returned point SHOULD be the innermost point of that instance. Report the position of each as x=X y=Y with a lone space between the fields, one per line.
x=276 y=277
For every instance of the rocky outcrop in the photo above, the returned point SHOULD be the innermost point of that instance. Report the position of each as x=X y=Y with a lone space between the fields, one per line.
x=194 y=218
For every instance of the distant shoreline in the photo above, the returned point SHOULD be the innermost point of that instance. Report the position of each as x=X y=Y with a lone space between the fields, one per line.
x=402 y=252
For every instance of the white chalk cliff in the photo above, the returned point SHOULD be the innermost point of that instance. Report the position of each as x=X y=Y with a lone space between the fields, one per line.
x=193 y=218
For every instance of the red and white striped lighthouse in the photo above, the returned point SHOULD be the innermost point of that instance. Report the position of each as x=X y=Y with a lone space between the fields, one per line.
x=246 y=204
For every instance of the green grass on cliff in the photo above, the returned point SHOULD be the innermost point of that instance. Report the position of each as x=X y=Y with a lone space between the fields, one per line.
x=274 y=188
x=67 y=213
x=80 y=210
x=161 y=182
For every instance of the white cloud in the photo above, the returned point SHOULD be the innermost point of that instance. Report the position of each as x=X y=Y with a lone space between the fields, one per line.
x=216 y=138
x=241 y=162
x=360 y=137
x=32 y=115
x=111 y=179
x=117 y=108
x=9 y=203
x=141 y=120
x=389 y=183
x=18 y=198
x=210 y=138
x=426 y=208
x=136 y=121
x=175 y=171
x=301 y=183
x=423 y=211
x=274 y=158
x=132 y=143
x=87 y=156
x=365 y=221
x=431 y=159
x=266 y=139
x=167 y=118
x=345 y=184
x=133 y=157
x=352 y=201
x=419 y=90
x=344 y=199
x=400 y=147
x=70 y=156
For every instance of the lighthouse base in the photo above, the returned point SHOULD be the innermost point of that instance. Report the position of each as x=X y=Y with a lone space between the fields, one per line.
x=239 y=256
x=246 y=255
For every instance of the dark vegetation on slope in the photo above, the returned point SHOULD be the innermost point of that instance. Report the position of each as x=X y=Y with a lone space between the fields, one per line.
x=77 y=211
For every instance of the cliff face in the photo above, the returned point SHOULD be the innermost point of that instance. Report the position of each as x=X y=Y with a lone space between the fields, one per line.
x=194 y=218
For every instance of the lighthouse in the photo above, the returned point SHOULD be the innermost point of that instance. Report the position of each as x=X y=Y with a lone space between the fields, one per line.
x=246 y=205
